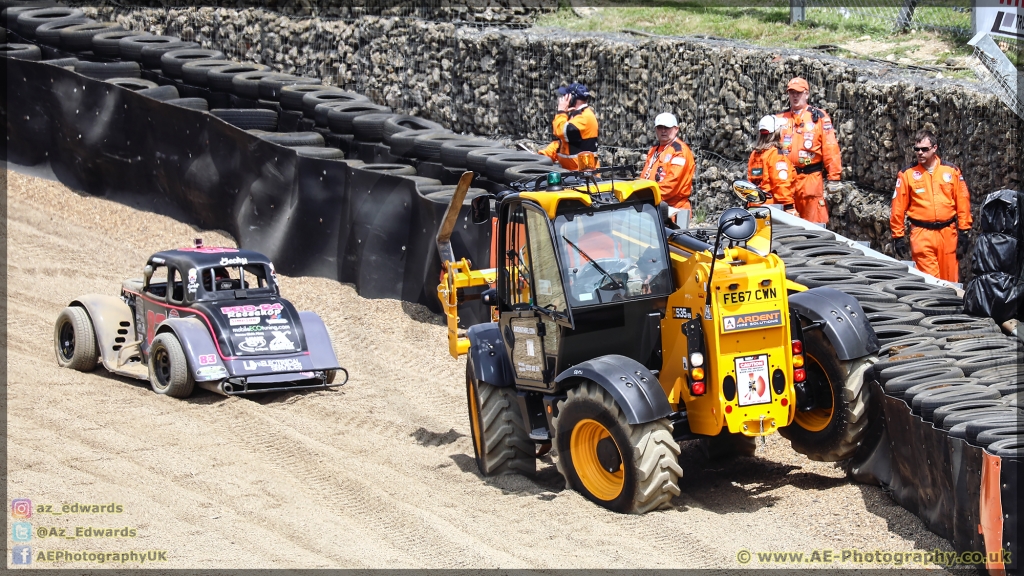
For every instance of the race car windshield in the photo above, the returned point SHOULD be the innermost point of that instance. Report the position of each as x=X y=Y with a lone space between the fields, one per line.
x=252 y=277
x=613 y=255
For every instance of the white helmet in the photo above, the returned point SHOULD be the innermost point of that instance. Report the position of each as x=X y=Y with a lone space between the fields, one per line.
x=770 y=124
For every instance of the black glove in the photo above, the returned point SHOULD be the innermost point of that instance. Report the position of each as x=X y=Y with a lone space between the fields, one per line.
x=963 y=243
x=901 y=247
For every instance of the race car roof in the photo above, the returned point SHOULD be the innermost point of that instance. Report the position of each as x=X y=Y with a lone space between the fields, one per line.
x=208 y=256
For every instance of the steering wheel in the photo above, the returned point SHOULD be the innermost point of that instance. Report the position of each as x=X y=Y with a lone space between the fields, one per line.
x=590 y=278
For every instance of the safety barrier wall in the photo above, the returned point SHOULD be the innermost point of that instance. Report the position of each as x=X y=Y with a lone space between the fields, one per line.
x=311 y=216
x=500 y=81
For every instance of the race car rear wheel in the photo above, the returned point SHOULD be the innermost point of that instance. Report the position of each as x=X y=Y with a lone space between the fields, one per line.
x=74 y=340
x=168 y=367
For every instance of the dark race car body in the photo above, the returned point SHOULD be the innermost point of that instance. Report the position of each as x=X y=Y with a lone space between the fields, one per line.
x=223 y=307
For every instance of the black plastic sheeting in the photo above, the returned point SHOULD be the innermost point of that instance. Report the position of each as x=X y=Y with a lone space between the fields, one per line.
x=938 y=478
x=997 y=288
x=313 y=217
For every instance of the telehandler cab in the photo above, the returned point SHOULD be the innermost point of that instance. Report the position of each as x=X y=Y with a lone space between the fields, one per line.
x=613 y=338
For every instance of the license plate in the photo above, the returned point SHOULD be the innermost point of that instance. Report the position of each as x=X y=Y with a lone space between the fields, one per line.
x=742 y=296
x=752 y=380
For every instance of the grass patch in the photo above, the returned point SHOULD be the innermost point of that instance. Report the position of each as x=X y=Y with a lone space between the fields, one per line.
x=769 y=26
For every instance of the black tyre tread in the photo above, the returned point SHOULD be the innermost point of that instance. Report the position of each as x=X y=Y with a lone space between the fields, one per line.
x=961 y=419
x=49 y=33
x=895 y=348
x=879 y=276
x=929 y=402
x=80 y=37
x=218 y=78
x=247 y=84
x=966 y=406
x=319 y=152
x=453 y=153
x=850 y=406
x=131 y=47
x=894 y=318
x=792 y=272
x=152 y=56
x=496 y=166
x=950 y=319
x=403 y=122
x=529 y=172
x=108 y=44
x=938 y=306
x=975 y=427
x=134 y=84
x=86 y=352
x=887 y=373
x=888 y=334
x=312 y=101
x=903 y=288
x=161 y=93
x=897 y=385
x=428 y=146
x=172 y=61
x=982 y=347
x=1006 y=373
x=888 y=306
x=798 y=248
x=270 y=87
x=180 y=383
x=248 y=118
x=339 y=117
x=108 y=70
x=655 y=452
x=826 y=253
x=291 y=96
x=799 y=235
x=196 y=73
x=506 y=447
x=996 y=434
x=30 y=20
x=1012 y=448
x=291 y=139
x=370 y=127
x=910 y=393
x=864 y=264
x=394 y=169
x=978 y=363
x=191 y=103
x=29 y=52
x=819 y=279
x=402 y=143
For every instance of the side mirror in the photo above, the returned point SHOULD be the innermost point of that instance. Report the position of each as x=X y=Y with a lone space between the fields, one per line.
x=737 y=224
x=748 y=192
x=147 y=273
x=480 y=209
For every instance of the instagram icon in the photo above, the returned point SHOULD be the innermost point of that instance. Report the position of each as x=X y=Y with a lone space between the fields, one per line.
x=21 y=508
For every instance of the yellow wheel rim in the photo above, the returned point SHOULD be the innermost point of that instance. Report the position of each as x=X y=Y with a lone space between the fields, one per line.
x=474 y=418
x=818 y=419
x=603 y=484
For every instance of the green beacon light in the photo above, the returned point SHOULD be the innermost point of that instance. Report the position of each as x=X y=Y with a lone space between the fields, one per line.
x=554 y=181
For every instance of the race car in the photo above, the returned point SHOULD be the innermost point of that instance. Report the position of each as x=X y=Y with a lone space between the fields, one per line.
x=206 y=316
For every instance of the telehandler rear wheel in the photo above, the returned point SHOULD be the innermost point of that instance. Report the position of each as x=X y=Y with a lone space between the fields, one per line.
x=623 y=467
x=838 y=423
x=501 y=443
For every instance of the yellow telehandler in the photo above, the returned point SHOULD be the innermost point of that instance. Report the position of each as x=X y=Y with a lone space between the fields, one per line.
x=614 y=337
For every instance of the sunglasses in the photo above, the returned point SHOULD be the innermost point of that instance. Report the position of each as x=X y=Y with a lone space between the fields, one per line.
x=923 y=148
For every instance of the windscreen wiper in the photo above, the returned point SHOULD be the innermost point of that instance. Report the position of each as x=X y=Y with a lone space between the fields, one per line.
x=618 y=284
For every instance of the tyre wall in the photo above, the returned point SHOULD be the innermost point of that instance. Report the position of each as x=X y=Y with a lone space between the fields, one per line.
x=312 y=216
x=500 y=81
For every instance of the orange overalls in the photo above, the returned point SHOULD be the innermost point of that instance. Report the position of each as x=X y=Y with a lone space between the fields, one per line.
x=672 y=167
x=576 y=131
x=773 y=173
x=936 y=205
x=810 y=143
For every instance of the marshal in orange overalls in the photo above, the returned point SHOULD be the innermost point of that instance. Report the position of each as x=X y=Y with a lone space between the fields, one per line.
x=773 y=173
x=809 y=141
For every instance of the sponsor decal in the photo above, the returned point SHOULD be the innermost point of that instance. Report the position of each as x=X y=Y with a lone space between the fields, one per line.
x=207 y=359
x=947 y=177
x=277 y=321
x=787 y=139
x=919 y=191
x=281 y=341
x=523 y=330
x=253 y=344
x=756 y=171
x=193 y=280
x=237 y=260
x=809 y=126
x=173 y=313
x=917 y=174
x=808 y=143
x=679 y=161
x=752 y=320
x=783 y=174
x=527 y=367
x=682 y=312
x=781 y=165
x=277 y=365
x=158 y=260
x=209 y=250
x=244 y=329
x=212 y=372
x=530 y=351
x=243 y=321
x=827 y=125
x=272 y=310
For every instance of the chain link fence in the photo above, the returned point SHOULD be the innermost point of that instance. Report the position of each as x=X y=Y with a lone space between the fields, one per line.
x=952 y=16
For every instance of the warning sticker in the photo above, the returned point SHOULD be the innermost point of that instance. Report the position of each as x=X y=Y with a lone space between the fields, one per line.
x=752 y=320
x=752 y=380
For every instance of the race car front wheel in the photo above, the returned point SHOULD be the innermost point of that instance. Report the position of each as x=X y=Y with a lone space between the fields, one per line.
x=74 y=340
x=168 y=368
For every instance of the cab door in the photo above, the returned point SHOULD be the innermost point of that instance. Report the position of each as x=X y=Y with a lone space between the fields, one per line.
x=534 y=308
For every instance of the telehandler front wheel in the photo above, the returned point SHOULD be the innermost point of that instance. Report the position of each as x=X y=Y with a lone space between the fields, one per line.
x=501 y=443
x=836 y=426
x=623 y=467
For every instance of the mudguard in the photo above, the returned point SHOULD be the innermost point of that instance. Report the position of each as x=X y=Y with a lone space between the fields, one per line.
x=490 y=360
x=204 y=360
x=636 y=391
x=318 y=341
x=845 y=323
x=112 y=321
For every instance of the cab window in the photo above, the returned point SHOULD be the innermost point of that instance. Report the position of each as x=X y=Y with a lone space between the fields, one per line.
x=157 y=286
x=230 y=278
x=515 y=275
x=547 y=282
x=176 y=286
x=613 y=255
